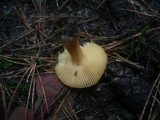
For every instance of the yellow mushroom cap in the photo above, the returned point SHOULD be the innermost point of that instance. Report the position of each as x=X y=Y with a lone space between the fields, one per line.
x=85 y=74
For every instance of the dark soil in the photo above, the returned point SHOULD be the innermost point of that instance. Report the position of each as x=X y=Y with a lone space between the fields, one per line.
x=124 y=88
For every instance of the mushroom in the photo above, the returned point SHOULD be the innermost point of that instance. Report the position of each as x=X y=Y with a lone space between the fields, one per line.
x=80 y=66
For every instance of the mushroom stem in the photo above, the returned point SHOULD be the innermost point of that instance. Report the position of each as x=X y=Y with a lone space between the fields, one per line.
x=73 y=47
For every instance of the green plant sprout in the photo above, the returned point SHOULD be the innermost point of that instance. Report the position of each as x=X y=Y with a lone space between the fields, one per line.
x=140 y=45
x=4 y=64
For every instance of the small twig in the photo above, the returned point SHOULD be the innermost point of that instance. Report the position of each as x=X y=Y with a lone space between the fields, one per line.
x=11 y=100
x=65 y=2
x=101 y=4
x=86 y=21
x=149 y=96
x=31 y=73
x=57 y=4
x=156 y=99
x=32 y=47
x=127 y=61
x=16 y=75
x=142 y=13
x=61 y=104
x=43 y=90
x=153 y=102
x=88 y=34
x=15 y=62
x=23 y=17
x=63 y=91
x=66 y=112
x=73 y=112
x=116 y=43
x=28 y=33
x=81 y=110
x=9 y=92
x=86 y=5
x=4 y=99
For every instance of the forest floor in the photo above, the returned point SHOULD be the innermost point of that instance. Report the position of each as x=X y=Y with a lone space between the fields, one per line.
x=31 y=37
